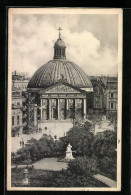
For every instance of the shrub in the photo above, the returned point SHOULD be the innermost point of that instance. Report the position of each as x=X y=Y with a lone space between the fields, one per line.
x=83 y=166
x=108 y=166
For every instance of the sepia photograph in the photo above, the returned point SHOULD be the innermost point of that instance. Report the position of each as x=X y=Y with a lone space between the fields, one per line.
x=64 y=99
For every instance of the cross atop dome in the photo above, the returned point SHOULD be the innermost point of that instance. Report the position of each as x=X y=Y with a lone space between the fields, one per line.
x=59 y=47
x=59 y=32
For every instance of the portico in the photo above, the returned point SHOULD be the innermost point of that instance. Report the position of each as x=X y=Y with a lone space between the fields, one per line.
x=62 y=101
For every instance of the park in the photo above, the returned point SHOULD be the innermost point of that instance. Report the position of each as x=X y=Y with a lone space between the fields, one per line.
x=42 y=156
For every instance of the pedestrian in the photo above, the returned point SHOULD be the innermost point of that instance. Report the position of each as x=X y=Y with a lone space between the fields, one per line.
x=23 y=143
x=20 y=143
x=18 y=134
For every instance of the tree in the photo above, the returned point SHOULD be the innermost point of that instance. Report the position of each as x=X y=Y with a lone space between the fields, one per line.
x=78 y=119
x=31 y=142
x=80 y=138
x=105 y=143
x=71 y=115
x=113 y=119
x=104 y=148
x=96 y=118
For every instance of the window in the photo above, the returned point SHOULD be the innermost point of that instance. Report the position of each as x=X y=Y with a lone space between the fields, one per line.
x=111 y=105
x=18 y=120
x=97 y=104
x=115 y=94
x=96 y=99
x=12 y=120
x=18 y=103
x=63 y=52
x=98 y=91
x=111 y=95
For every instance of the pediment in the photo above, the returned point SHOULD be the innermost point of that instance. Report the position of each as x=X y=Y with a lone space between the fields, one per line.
x=60 y=88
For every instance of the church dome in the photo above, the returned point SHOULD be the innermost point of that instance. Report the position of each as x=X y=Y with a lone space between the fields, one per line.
x=59 y=69
x=55 y=70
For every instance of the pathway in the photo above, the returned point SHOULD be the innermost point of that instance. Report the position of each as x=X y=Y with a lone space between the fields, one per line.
x=109 y=182
x=21 y=166
x=50 y=164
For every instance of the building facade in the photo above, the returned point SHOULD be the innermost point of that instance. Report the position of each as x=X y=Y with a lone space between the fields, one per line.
x=99 y=96
x=111 y=96
x=21 y=84
x=61 y=100
x=16 y=113
x=19 y=81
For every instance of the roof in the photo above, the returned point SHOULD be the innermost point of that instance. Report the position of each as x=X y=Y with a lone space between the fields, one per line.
x=21 y=81
x=98 y=82
x=63 y=83
x=57 y=69
x=60 y=43
x=112 y=83
x=112 y=79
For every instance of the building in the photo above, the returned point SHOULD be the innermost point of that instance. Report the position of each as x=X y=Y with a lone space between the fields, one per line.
x=105 y=95
x=16 y=76
x=16 y=113
x=60 y=87
x=111 y=96
x=21 y=84
x=99 y=97
x=19 y=81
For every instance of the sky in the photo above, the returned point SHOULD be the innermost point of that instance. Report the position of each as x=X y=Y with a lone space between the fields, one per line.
x=91 y=41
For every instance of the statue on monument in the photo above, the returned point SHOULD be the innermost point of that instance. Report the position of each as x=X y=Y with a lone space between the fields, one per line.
x=69 y=155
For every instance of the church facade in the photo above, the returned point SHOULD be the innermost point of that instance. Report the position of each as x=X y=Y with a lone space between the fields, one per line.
x=61 y=89
x=61 y=100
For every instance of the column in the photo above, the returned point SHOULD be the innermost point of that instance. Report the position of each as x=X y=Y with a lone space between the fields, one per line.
x=74 y=106
x=41 y=109
x=67 y=107
x=84 y=106
x=67 y=104
x=58 y=109
x=64 y=109
x=35 y=114
x=49 y=109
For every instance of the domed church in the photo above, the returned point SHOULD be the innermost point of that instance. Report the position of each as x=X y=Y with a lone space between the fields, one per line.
x=60 y=86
